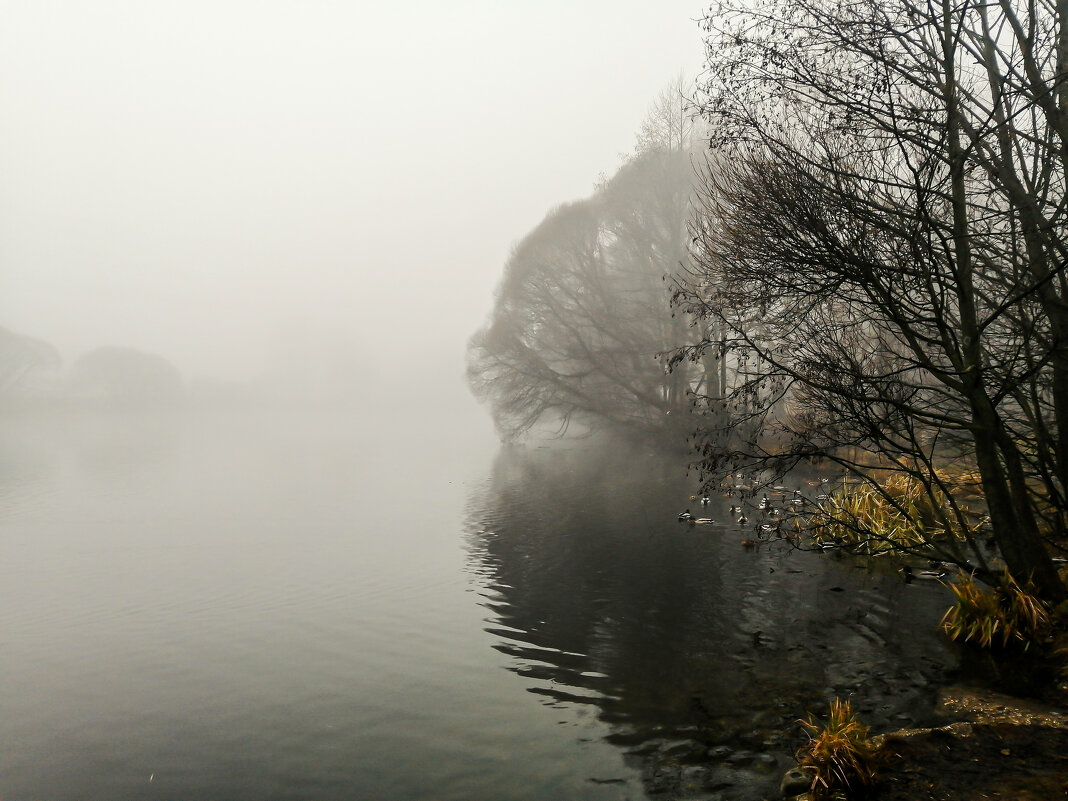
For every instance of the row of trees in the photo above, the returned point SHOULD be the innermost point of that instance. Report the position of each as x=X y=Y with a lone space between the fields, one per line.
x=881 y=247
x=31 y=373
x=309 y=366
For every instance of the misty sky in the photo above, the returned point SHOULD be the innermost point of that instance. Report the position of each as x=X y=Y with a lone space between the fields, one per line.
x=203 y=179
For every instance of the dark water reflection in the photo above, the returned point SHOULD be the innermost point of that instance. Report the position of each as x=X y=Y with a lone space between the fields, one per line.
x=698 y=653
x=275 y=605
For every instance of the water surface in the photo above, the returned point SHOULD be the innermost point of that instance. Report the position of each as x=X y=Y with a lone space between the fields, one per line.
x=278 y=605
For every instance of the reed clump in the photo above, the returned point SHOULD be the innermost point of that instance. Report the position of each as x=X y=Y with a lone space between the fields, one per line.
x=1003 y=616
x=902 y=512
x=839 y=754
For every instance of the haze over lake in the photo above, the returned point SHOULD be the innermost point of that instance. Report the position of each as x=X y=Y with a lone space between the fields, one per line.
x=209 y=180
x=257 y=539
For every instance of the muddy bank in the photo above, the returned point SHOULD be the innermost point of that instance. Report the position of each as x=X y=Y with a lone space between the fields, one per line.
x=990 y=746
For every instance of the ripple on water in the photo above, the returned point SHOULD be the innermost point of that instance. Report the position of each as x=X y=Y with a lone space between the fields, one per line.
x=675 y=634
x=246 y=615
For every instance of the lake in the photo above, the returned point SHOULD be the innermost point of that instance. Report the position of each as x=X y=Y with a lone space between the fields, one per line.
x=283 y=605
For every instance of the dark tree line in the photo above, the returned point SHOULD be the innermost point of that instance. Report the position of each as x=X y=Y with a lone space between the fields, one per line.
x=880 y=251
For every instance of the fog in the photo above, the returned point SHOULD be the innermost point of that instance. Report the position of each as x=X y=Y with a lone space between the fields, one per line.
x=217 y=182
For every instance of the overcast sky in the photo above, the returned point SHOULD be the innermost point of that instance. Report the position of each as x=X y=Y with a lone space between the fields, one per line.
x=201 y=178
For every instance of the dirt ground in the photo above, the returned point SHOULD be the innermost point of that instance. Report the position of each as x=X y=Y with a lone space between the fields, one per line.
x=993 y=747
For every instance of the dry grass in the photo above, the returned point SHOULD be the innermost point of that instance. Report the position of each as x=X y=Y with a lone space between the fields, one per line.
x=839 y=754
x=899 y=513
x=1003 y=616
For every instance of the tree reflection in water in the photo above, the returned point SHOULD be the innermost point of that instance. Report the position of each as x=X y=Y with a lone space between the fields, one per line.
x=691 y=648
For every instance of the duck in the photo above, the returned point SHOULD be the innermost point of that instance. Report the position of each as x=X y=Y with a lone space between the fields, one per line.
x=747 y=544
x=705 y=500
x=702 y=521
x=685 y=515
x=742 y=519
x=923 y=575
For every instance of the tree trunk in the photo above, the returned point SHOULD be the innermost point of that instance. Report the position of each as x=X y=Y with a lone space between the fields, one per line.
x=1011 y=514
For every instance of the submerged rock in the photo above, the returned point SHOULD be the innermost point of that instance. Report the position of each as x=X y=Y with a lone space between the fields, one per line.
x=684 y=750
x=765 y=763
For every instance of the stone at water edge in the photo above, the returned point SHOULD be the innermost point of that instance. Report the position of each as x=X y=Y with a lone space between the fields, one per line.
x=795 y=782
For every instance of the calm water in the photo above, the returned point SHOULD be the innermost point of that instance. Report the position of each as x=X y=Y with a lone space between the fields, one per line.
x=276 y=606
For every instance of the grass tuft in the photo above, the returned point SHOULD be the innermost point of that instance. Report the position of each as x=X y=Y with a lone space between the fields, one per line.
x=839 y=754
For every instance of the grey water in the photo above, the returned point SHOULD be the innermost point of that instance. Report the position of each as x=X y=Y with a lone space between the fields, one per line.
x=280 y=605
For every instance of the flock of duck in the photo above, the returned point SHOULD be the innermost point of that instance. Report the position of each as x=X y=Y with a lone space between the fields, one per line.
x=773 y=516
x=766 y=504
x=773 y=508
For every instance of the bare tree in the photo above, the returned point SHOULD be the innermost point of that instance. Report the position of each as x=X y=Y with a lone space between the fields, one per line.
x=883 y=230
x=583 y=310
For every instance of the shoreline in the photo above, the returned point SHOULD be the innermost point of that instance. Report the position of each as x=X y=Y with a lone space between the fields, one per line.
x=991 y=746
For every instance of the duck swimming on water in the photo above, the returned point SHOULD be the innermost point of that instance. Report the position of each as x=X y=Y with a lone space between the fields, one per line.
x=923 y=575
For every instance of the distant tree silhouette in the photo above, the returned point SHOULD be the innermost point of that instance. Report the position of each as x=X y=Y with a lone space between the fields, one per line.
x=583 y=312
x=125 y=377
x=29 y=368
